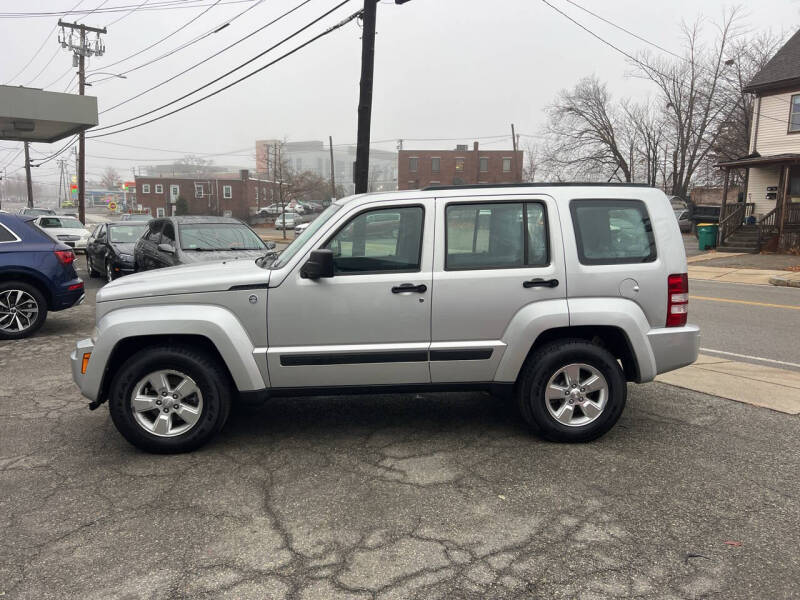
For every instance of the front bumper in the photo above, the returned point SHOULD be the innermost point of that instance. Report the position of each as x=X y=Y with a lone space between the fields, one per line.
x=674 y=347
x=88 y=381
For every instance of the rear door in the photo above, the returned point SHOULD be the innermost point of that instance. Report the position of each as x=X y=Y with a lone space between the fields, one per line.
x=498 y=258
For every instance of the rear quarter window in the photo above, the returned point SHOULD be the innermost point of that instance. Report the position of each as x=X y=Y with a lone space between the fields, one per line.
x=6 y=235
x=610 y=232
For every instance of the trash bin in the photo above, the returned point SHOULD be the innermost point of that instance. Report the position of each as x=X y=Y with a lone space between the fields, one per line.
x=707 y=235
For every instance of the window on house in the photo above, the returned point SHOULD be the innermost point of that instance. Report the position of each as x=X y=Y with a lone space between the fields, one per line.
x=146 y=188
x=484 y=164
x=227 y=192
x=506 y=165
x=436 y=164
x=160 y=212
x=794 y=113
x=459 y=164
x=159 y=188
x=413 y=163
x=493 y=236
x=198 y=190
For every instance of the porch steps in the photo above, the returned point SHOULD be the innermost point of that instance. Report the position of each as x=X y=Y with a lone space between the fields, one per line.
x=744 y=239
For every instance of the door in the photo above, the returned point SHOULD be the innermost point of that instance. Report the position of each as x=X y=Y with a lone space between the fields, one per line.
x=162 y=257
x=147 y=247
x=369 y=324
x=97 y=247
x=499 y=266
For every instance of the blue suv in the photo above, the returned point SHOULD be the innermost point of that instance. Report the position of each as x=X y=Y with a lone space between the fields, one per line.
x=37 y=274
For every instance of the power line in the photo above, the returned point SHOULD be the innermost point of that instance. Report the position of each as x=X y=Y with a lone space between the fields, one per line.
x=173 y=77
x=166 y=37
x=242 y=65
x=157 y=6
x=129 y=13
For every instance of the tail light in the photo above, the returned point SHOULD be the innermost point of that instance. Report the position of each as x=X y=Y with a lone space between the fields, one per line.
x=677 y=300
x=65 y=257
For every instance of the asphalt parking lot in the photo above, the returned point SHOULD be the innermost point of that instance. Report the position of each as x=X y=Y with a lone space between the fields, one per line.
x=434 y=496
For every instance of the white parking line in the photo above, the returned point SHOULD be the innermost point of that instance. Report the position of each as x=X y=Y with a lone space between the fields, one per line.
x=747 y=356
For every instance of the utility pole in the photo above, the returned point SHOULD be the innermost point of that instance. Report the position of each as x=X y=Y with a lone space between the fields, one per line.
x=514 y=162
x=60 y=163
x=333 y=170
x=365 y=97
x=28 y=175
x=80 y=52
x=278 y=168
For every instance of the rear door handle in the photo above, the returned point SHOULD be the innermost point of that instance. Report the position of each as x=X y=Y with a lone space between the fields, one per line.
x=410 y=287
x=551 y=283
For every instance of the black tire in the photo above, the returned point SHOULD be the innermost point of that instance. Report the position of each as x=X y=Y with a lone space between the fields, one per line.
x=205 y=370
x=544 y=364
x=41 y=307
x=109 y=272
x=90 y=267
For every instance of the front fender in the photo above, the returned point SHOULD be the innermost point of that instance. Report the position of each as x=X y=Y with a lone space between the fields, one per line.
x=214 y=323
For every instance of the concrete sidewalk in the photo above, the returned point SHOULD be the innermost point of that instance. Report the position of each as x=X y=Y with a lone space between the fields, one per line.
x=730 y=275
x=776 y=389
x=788 y=279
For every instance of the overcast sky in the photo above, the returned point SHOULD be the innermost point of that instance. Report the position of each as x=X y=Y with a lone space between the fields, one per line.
x=443 y=68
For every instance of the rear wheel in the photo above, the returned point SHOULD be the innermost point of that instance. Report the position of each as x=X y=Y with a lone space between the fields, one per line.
x=23 y=310
x=571 y=391
x=109 y=273
x=170 y=399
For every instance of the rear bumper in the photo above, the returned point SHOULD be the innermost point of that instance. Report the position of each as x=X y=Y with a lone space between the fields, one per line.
x=67 y=298
x=674 y=347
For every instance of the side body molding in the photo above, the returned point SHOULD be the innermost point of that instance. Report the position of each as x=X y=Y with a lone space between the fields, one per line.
x=215 y=323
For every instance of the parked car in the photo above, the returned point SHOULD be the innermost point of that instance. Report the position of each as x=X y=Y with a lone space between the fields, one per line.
x=135 y=217
x=65 y=229
x=172 y=241
x=36 y=212
x=685 y=222
x=270 y=211
x=557 y=295
x=287 y=220
x=37 y=275
x=109 y=251
x=301 y=228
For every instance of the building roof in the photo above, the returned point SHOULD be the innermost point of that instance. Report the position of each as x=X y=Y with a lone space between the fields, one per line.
x=756 y=161
x=782 y=70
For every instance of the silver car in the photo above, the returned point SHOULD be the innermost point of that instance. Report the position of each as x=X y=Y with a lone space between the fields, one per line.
x=554 y=295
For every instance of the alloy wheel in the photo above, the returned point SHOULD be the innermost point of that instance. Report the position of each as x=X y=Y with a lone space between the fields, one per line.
x=166 y=403
x=18 y=310
x=109 y=273
x=576 y=394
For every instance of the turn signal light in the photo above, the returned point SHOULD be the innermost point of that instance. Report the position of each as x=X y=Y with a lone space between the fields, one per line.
x=85 y=362
x=677 y=300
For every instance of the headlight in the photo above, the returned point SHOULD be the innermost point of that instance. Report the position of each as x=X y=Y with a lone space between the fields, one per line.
x=126 y=257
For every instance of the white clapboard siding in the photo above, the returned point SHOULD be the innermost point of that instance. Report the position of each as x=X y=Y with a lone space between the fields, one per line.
x=773 y=126
x=760 y=179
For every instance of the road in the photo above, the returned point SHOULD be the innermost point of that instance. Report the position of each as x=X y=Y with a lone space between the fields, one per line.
x=749 y=320
x=405 y=496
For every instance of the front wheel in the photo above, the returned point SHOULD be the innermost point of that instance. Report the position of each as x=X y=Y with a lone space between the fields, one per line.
x=170 y=399
x=571 y=391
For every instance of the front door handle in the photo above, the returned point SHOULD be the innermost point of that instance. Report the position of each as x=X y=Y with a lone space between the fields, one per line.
x=410 y=287
x=538 y=282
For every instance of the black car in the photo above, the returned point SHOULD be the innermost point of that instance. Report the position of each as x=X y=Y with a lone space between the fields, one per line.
x=109 y=250
x=172 y=241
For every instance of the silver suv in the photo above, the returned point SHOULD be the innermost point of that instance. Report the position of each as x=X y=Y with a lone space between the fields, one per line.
x=554 y=294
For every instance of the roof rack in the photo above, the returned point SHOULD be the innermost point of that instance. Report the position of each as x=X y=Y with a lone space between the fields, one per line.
x=538 y=184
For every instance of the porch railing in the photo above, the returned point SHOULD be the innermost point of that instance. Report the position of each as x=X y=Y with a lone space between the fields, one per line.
x=768 y=226
x=732 y=217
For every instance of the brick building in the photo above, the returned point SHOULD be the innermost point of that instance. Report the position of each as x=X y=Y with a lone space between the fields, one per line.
x=421 y=168
x=238 y=197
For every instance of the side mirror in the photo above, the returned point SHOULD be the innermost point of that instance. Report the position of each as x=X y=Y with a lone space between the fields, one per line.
x=319 y=264
x=166 y=248
x=271 y=245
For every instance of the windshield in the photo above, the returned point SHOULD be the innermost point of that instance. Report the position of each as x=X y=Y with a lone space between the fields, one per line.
x=219 y=236
x=39 y=211
x=300 y=240
x=136 y=217
x=71 y=224
x=126 y=234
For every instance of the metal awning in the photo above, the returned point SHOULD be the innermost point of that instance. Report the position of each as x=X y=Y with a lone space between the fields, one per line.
x=34 y=115
x=761 y=161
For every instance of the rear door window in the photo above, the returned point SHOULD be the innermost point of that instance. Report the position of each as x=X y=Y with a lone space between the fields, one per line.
x=612 y=232
x=499 y=235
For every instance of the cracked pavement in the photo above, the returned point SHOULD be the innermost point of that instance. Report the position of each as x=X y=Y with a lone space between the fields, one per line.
x=405 y=496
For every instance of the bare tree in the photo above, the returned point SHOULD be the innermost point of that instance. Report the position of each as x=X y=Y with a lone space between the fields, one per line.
x=646 y=145
x=110 y=179
x=694 y=93
x=587 y=135
x=194 y=165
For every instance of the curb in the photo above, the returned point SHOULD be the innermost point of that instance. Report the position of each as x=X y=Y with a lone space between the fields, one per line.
x=785 y=280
